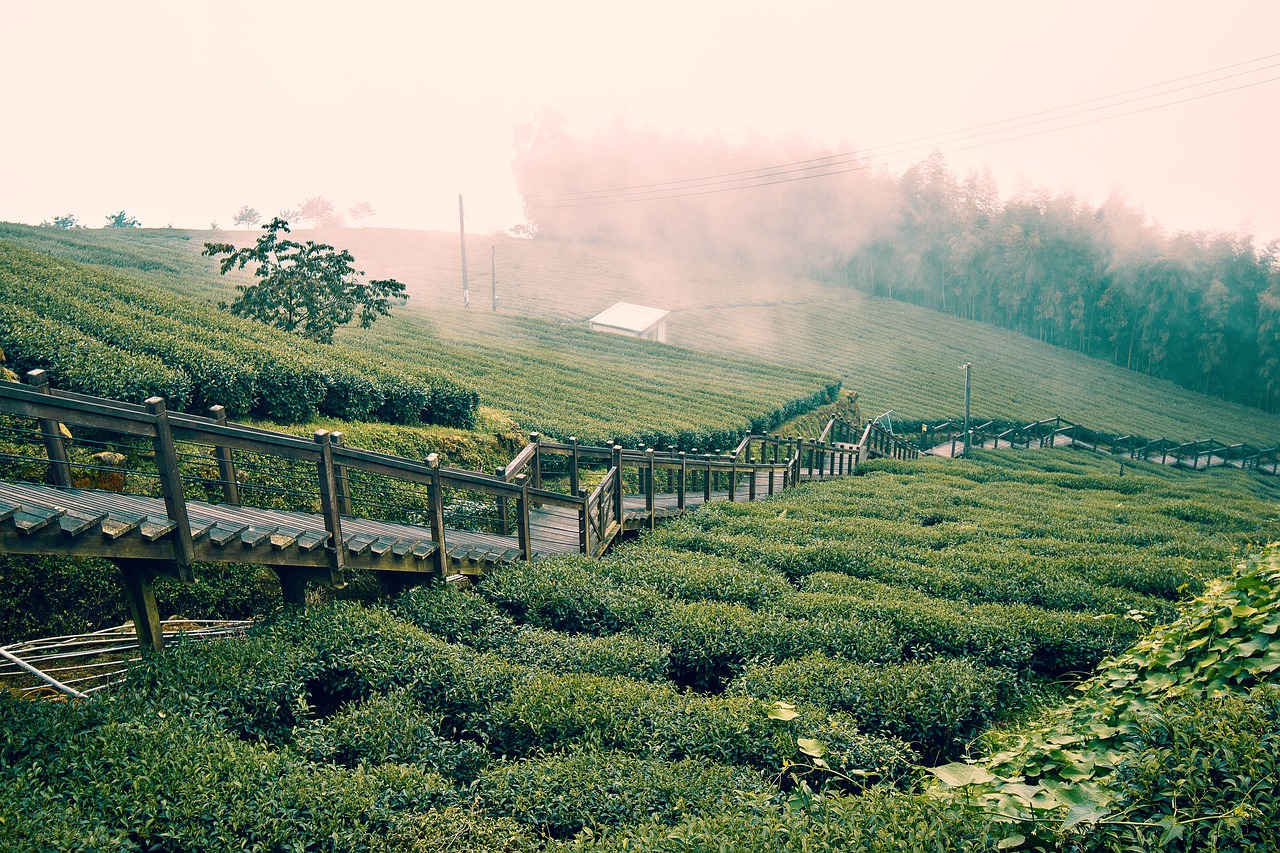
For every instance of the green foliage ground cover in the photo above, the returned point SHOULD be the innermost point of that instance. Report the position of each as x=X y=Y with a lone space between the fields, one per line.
x=673 y=695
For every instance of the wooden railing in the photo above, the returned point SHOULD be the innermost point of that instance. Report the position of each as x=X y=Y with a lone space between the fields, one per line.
x=1055 y=431
x=540 y=488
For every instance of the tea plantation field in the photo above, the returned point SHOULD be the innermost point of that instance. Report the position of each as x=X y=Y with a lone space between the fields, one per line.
x=138 y=311
x=896 y=356
x=778 y=675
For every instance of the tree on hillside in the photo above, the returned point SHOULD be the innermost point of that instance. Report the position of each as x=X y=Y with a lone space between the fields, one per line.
x=67 y=221
x=248 y=217
x=319 y=211
x=309 y=288
x=122 y=220
x=362 y=211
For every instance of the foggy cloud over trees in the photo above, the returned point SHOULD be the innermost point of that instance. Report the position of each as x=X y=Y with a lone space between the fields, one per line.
x=1201 y=309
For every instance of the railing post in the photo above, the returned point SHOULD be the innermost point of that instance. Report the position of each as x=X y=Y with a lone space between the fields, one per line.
x=573 y=466
x=175 y=504
x=337 y=439
x=733 y=480
x=616 y=459
x=584 y=521
x=536 y=440
x=706 y=481
x=226 y=466
x=504 y=508
x=648 y=486
x=329 y=506
x=51 y=431
x=751 y=487
x=832 y=454
x=684 y=478
x=435 y=498
x=522 y=517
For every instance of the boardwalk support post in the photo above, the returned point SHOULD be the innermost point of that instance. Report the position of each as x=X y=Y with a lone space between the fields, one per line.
x=436 y=499
x=584 y=524
x=51 y=430
x=141 y=596
x=226 y=467
x=175 y=505
x=329 y=507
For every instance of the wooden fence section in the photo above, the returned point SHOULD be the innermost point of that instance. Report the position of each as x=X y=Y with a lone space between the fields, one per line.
x=1060 y=432
x=157 y=492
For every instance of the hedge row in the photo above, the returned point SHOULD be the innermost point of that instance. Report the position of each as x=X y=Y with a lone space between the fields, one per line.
x=937 y=706
x=249 y=368
x=711 y=641
x=77 y=362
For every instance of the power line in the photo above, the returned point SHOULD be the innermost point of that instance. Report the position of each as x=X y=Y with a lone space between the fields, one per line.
x=826 y=162
x=709 y=187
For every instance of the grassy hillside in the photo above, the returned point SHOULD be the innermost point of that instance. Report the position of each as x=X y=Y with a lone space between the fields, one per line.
x=676 y=692
x=895 y=355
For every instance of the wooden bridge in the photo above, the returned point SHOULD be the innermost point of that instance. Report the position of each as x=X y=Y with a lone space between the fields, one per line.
x=158 y=492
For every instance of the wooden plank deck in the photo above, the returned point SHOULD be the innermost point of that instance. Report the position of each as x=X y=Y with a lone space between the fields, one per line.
x=38 y=519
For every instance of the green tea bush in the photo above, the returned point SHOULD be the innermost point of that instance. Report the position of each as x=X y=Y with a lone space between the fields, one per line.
x=1013 y=636
x=464 y=617
x=937 y=706
x=694 y=577
x=656 y=720
x=560 y=796
x=86 y=365
x=389 y=729
x=180 y=783
x=881 y=820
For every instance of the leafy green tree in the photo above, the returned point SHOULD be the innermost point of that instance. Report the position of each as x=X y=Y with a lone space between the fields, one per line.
x=122 y=220
x=68 y=221
x=309 y=288
x=248 y=217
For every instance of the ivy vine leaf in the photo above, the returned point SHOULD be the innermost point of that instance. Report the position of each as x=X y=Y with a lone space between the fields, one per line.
x=1011 y=841
x=957 y=774
x=783 y=711
x=810 y=747
x=1084 y=813
x=1172 y=829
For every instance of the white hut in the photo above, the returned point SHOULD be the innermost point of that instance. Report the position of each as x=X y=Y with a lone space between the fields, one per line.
x=636 y=321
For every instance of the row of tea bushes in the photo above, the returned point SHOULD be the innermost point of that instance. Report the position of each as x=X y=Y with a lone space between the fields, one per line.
x=249 y=368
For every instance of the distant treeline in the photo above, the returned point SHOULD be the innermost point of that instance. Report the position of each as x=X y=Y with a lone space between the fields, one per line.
x=1199 y=309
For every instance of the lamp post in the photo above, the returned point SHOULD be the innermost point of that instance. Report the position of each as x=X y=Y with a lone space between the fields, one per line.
x=966 y=368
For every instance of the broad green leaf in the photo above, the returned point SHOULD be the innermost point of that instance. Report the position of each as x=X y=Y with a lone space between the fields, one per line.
x=783 y=711
x=811 y=747
x=958 y=774
x=1010 y=841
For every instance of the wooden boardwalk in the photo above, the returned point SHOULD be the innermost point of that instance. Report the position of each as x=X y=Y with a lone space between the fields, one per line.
x=159 y=492
x=947 y=439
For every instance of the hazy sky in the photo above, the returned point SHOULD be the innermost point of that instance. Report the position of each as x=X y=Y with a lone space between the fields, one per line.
x=181 y=112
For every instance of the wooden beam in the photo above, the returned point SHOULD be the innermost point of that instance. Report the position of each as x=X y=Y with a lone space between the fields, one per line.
x=175 y=503
x=140 y=595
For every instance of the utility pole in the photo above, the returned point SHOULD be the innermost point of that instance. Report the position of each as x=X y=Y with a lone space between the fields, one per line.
x=462 y=231
x=966 y=368
x=493 y=275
